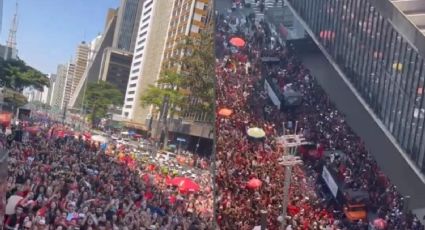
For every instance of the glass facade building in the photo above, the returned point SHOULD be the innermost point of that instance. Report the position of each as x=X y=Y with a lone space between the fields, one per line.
x=385 y=69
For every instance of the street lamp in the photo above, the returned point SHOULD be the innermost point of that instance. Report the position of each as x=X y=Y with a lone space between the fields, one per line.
x=290 y=143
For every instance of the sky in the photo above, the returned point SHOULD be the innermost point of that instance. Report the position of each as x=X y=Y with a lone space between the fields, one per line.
x=50 y=30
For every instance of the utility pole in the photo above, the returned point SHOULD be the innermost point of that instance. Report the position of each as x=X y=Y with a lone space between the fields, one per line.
x=290 y=142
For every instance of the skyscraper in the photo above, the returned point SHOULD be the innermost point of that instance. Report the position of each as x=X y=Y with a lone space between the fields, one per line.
x=128 y=19
x=148 y=53
x=81 y=59
x=187 y=18
x=93 y=69
x=52 y=79
x=67 y=92
x=59 y=86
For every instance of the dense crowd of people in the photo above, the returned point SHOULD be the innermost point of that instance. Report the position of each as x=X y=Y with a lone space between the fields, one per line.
x=69 y=183
x=240 y=75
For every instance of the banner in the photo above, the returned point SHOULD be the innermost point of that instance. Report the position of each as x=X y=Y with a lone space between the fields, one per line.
x=272 y=94
x=330 y=182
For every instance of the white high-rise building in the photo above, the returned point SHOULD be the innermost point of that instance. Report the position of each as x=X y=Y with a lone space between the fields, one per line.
x=59 y=86
x=67 y=91
x=94 y=47
x=147 y=57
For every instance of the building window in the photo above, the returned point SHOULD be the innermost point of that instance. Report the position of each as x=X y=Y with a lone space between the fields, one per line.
x=126 y=114
x=133 y=85
x=147 y=11
x=135 y=70
x=130 y=99
x=133 y=78
x=140 y=49
x=128 y=106
x=131 y=92
x=138 y=56
x=148 y=4
x=136 y=64
x=146 y=19
x=143 y=34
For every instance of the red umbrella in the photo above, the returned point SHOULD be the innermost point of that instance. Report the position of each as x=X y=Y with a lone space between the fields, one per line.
x=254 y=183
x=225 y=112
x=168 y=180
x=5 y=119
x=238 y=42
x=176 y=181
x=188 y=185
x=380 y=223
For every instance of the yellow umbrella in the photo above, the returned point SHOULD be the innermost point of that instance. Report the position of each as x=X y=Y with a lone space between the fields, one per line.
x=256 y=132
x=398 y=66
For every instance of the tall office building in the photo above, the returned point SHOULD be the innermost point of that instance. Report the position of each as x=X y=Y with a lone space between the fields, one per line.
x=80 y=62
x=67 y=92
x=115 y=67
x=59 y=86
x=52 y=81
x=148 y=54
x=110 y=15
x=378 y=51
x=94 y=47
x=189 y=18
x=92 y=74
x=385 y=66
x=128 y=18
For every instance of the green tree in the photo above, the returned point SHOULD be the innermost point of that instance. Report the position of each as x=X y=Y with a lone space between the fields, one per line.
x=197 y=70
x=99 y=97
x=14 y=98
x=17 y=75
x=167 y=85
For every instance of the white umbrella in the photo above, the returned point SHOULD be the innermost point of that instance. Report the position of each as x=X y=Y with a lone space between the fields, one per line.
x=11 y=204
x=99 y=138
x=256 y=132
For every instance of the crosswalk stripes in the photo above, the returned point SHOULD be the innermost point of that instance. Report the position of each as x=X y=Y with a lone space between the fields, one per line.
x=267 y=4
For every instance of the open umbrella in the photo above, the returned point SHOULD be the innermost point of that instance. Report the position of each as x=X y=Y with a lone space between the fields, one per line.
x=254 y=183
x=225 y=112
x=5 y=119
x=379 y=223
x=238 y=42
x=188 y=185
x=177 y=180
x=256 y=132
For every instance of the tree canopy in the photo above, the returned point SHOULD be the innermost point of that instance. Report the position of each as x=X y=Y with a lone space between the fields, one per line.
x=17 y=75
x=99 y=97
x=14 y=98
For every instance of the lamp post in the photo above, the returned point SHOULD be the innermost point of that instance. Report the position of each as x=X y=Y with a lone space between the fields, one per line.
x=290 y=143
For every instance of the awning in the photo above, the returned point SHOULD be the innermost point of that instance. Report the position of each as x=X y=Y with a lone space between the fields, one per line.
x=134 y=125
